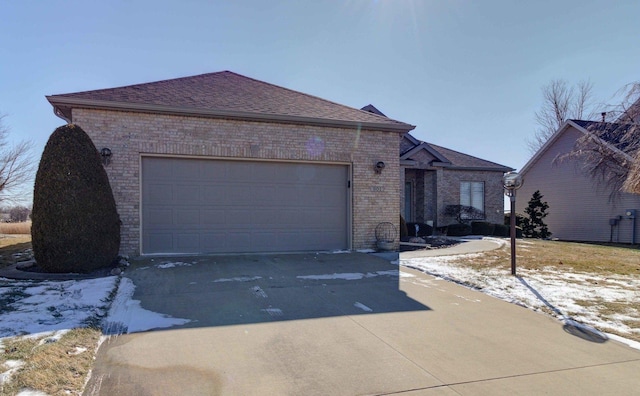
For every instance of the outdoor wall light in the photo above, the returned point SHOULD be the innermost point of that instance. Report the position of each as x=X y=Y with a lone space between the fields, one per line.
x=105 y=153
x=379 y=167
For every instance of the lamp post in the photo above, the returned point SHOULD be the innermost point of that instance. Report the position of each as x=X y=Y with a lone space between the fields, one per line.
x=511 y=182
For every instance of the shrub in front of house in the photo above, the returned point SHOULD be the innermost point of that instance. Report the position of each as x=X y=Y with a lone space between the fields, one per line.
x=419 y=229
x=519 y=233
x=500 y=230
x=482 y=228
x=519 y=219
x=458 y=229
x=76 y=227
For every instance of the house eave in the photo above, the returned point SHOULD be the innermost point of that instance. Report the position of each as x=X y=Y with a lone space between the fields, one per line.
x=557 y=135
x=63 y=105
x=409 y=163
x=480 y=168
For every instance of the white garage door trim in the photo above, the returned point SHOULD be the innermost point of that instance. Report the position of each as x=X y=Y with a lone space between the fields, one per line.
x=221 y=205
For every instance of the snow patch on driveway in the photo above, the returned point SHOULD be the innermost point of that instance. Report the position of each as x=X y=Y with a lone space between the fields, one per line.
x=362 y=307
x=127 y=316
x=349 y=275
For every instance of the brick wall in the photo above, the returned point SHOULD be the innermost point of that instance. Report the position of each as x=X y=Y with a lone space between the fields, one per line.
x=375 y=197
x=493 y=193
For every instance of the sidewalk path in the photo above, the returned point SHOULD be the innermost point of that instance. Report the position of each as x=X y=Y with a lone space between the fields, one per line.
x=466 y=246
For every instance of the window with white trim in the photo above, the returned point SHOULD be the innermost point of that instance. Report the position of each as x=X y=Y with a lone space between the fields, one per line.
x=472 y=194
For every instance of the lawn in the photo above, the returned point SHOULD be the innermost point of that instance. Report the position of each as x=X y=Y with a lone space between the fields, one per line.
x=539 y=255
x=15 y=238
x=55 y=362
x=593 y=284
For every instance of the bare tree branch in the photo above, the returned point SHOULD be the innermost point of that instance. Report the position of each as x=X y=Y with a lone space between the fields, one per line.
x=561 y=102
x=16 y=166
x=610 y=152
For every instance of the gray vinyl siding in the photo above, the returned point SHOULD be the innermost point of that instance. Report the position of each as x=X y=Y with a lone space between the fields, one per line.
x=579 y=210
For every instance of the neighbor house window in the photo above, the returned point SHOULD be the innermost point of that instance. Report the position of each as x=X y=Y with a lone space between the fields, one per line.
x=472 y=194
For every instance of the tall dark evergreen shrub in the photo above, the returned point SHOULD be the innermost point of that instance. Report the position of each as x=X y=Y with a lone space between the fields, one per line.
x=76 y=227
x=533 y=225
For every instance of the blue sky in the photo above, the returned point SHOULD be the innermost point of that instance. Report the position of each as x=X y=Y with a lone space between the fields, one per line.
x=467 y=73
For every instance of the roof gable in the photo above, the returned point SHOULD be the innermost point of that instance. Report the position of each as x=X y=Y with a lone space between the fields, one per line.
x=224 y=94
x=372 y=109
x=606 y=132
x=444 y=157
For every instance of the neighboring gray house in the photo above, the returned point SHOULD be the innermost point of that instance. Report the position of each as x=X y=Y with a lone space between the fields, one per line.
x=579 y=208
x=433 y=177
x=222 y=163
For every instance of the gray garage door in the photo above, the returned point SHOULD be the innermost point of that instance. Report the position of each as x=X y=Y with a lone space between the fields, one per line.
x=217 y=206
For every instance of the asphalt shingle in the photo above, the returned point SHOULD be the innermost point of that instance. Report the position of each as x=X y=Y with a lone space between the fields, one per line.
x=231 y=93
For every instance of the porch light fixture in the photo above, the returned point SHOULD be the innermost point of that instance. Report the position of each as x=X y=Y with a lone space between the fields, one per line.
x=512 y=181
x=105 y=153
x=379 y=167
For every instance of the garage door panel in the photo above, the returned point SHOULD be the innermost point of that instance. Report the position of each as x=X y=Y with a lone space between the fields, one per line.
x=265 y=241
x=267 y=172
x=213 y=217
x=159 y=194
x=236 y=241
x=188 y=241
x=266 y=195
x=214 y=241
x=158 y=242
x=214 y=193
x=265 y=217
x=157 y=218
x=187 y=194
x=331 y=198
x=238 y=195
x=239 y=218
x=240 y=171
x=158 y=169
x=306 y=174
x=214 y=171
x=187 y=217
x=187 y=170
x=200 y=206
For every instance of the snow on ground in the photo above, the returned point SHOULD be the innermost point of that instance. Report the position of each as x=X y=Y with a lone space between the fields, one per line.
x=127 y=316
x=568 y=296
x=31 y=307
x=348 y=275
x=37 y=307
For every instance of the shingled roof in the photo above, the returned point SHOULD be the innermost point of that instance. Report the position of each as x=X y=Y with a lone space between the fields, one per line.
x=451 y=159
x=623 y=136
x=225 y=95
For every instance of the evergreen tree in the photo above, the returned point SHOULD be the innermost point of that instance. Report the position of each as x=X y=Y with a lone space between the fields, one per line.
x=76 y=227
x=533 y=225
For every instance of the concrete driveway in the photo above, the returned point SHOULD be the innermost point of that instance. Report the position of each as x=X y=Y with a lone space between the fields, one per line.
x=343 y=324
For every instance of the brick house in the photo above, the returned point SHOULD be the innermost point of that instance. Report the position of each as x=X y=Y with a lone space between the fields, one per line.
x=434 y=177
x=222 y=163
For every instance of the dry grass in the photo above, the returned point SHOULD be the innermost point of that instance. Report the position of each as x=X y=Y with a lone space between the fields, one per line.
x=600 y=261
x=16 y=228
x=556 y=255
x=55 y=368
x=11 y=245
